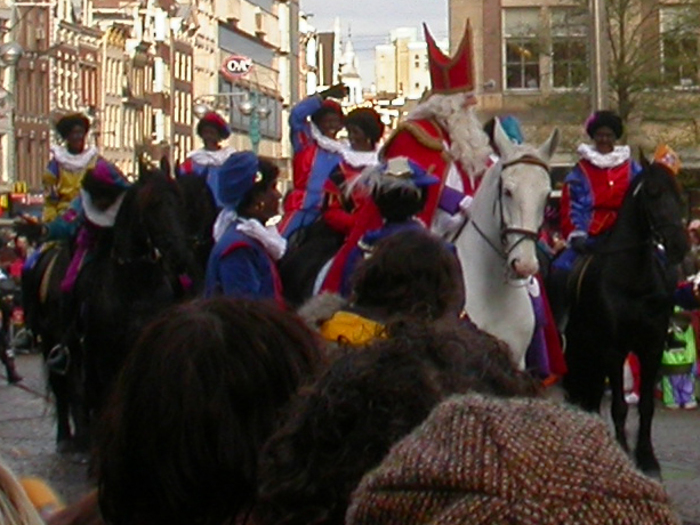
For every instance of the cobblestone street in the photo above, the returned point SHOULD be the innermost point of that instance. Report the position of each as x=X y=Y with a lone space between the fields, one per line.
x=27 y=443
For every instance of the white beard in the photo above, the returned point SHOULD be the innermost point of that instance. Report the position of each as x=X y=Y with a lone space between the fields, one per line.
x=469 y=145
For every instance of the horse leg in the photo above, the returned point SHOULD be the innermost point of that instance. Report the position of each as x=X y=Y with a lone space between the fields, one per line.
x=584 y=382
x=59 y=387
x=644 y=453
x=618 y=407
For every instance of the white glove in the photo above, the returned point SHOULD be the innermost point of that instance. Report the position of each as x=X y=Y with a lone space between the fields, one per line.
x=465 y=204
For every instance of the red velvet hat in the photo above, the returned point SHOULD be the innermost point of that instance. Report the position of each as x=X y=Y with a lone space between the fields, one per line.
x=451 y=74
x=212 y=118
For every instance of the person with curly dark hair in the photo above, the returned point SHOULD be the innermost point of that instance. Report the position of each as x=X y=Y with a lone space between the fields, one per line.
x=397 y=192
x=69 y=164
x=397 y=281
x=342 y=426
x=200 y=393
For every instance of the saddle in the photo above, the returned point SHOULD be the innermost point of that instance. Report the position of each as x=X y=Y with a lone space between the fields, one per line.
x=45 y=281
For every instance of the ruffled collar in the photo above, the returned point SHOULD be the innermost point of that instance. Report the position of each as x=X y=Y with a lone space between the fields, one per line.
x=103 y=218
x=72 y=162
x=356 y=159
x=361 y=159
x=619 y=155
x=327 y=143
x=205 y=157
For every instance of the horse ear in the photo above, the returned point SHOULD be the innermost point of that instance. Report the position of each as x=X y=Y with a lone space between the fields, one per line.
x=643 y=160
x=143 y=168
x=547 y=149
x=165 y=165
x=503 y=143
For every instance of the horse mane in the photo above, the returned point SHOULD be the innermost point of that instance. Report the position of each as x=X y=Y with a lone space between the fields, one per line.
x=152 y=185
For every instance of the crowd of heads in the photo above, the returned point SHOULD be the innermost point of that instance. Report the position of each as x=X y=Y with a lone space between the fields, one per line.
x=235 y=411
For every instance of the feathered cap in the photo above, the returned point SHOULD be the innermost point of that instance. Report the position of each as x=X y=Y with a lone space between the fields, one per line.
x=451 y=74
x=397 y=172
x=66 y=123
x=214 y=119
x=607 y=119
x=237 y=176
x=665 y=156
x=105 y=177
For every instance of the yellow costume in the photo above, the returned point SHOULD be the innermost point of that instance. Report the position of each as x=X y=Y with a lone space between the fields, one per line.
x=63 y=178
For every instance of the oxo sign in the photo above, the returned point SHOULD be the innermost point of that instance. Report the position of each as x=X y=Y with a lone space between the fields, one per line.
x=236 y=66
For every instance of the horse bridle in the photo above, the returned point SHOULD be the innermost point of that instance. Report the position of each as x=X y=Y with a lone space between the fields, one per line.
x=505 y=229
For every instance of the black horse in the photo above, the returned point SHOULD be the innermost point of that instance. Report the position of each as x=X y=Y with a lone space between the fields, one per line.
x=200 y=214
x=137 y=268
x=41 y=293
x=147 y=266
x=621 y=302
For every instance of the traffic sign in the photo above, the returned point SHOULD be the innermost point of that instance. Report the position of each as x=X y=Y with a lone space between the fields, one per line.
x=236 y=66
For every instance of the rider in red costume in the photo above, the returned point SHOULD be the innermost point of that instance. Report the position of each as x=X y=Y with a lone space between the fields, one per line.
x=445 y=137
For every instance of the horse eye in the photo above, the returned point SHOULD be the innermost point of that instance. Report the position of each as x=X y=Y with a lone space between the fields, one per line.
x=507 y=193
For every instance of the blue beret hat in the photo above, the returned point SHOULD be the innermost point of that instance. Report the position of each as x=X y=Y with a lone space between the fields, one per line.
x=237 y=176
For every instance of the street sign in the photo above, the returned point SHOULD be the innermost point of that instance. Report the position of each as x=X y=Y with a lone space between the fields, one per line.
x=236 y=66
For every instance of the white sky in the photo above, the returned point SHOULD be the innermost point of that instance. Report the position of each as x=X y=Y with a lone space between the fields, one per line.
x=371 y=20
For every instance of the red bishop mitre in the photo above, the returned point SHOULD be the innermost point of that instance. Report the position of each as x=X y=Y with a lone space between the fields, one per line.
x=451 y=74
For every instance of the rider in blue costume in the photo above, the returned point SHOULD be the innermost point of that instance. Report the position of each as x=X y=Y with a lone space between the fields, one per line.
x=205 y=162
x=314 y=123
x=243 y=262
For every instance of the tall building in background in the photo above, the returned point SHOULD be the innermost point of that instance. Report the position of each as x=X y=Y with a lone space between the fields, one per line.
x=308 y=57
x=401 y=67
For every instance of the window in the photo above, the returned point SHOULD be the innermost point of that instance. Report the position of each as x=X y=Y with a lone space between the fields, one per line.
x=522 y=42
x=569 y=48
x=679 y=46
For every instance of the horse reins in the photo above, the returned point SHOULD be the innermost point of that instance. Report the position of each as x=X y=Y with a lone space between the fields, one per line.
x=505 y=230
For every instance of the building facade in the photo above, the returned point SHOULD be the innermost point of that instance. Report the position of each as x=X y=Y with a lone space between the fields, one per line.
x=531 y=59
x=138 y=67
x=401 y=67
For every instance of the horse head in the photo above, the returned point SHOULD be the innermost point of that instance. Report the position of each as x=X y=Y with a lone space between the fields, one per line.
x=149 y=227
x=658 y=203
x=523 y=188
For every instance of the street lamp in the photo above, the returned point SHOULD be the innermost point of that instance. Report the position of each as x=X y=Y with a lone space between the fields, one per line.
x=10 y=53
x=250 y=107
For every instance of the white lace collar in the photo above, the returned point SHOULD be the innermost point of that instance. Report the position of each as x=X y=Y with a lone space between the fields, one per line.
x=103 y=218
x=356 y=159
x=327 y=143
x=616 y=157
x=361 y=159
x=70 y=162
x=205 y=157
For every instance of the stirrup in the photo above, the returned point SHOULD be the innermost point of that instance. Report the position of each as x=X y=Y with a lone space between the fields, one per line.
x=58 y=360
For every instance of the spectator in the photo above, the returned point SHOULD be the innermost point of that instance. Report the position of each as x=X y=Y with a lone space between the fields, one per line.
x=344 y=425
x=200 y=393
x=479 y=460
x=395 y=281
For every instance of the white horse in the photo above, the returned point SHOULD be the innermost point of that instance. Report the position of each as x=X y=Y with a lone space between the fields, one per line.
x=497 y=247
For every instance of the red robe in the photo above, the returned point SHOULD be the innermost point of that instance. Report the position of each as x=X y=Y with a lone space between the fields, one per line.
x=423 y=141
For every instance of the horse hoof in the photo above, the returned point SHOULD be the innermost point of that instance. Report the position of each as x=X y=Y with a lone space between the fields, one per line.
x=64 y=446
x=654 y=474
x=649 y=466
x=80 y=458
